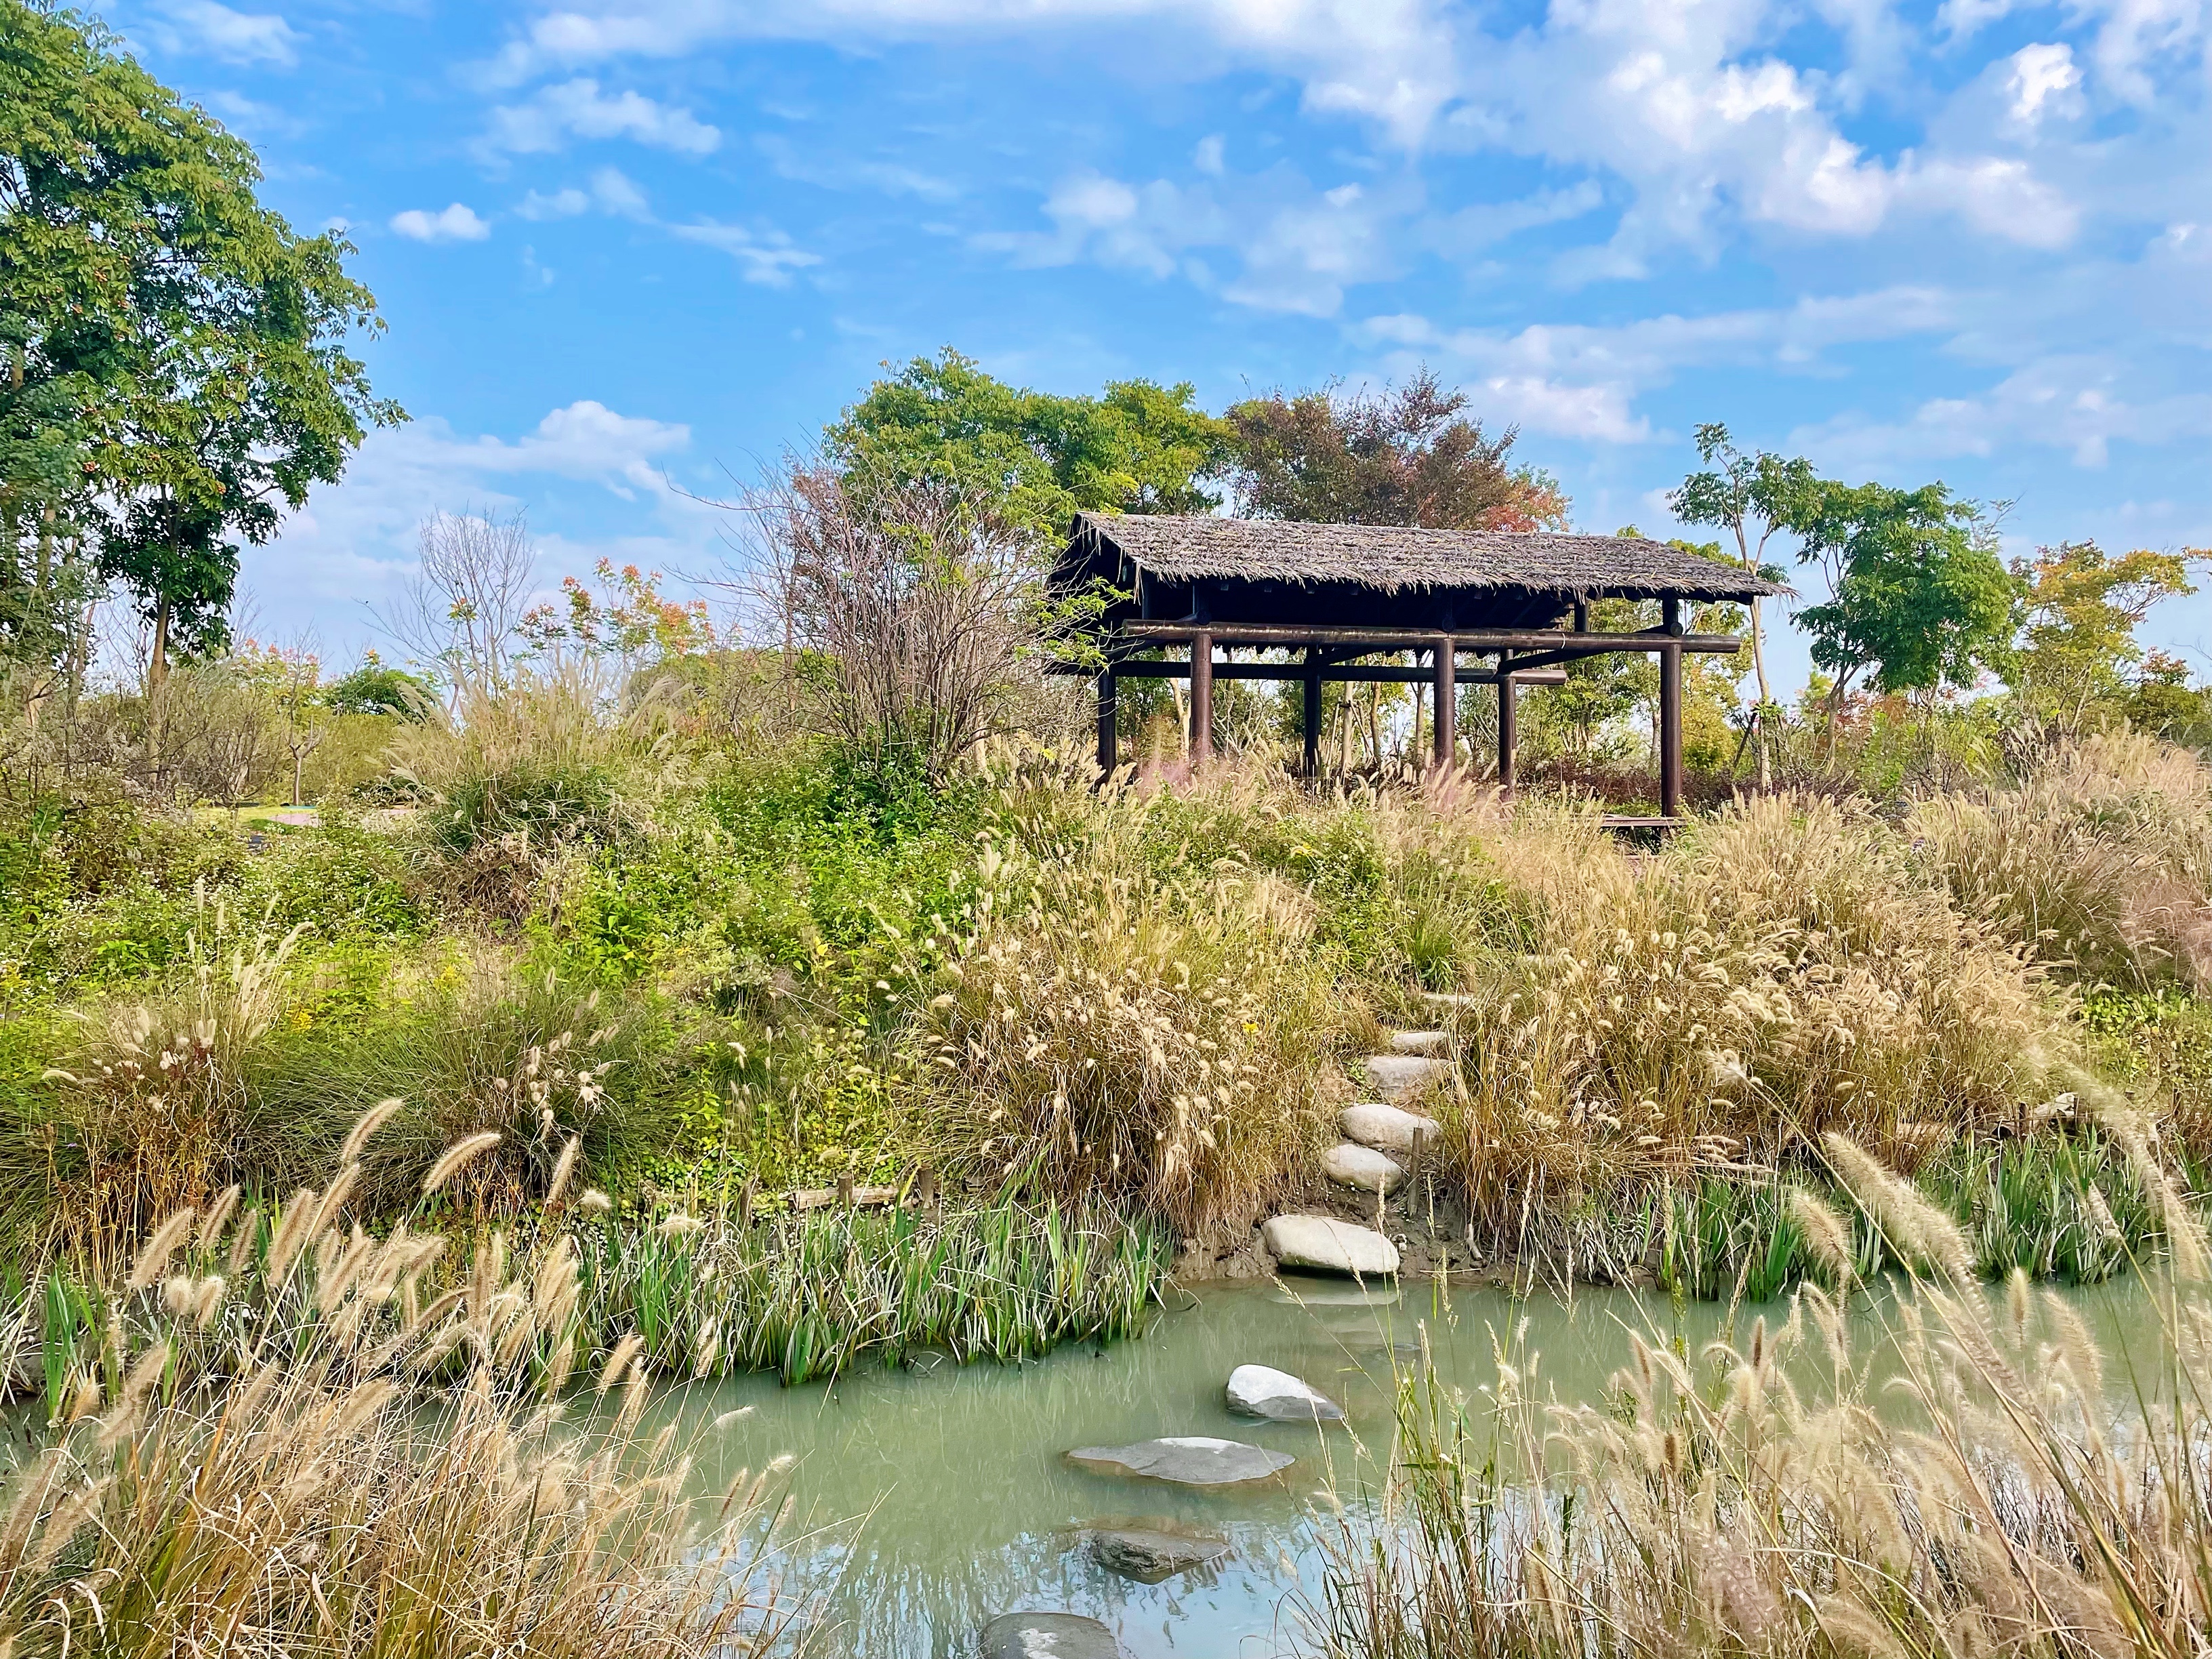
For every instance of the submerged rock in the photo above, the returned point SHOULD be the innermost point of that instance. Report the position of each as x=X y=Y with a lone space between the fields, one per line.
x=1322 y=1242
x=1396 y=1077
x=1048 y=1636
x=1386 y=1128
x=1148 y=1556
x=1361 y=1168
x=1417 y=1042
x=1190 y=1460
x=1263 y=1391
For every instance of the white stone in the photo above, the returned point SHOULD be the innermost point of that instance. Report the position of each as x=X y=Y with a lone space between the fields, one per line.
x=1048 y=1636
x=1327 y=1245
x=1417 y=1042
x=1263 y=1391
x=1450 y=1000
x=1387 y=1128
x=1362 y=1169
x=1395 y=1077
x=1186 y=1460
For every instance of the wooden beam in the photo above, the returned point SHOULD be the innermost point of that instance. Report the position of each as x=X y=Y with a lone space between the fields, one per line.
x=1109 y=714
x=1447 y=699
x=1372 y=641
x=1670 y=733
x=1311 y=725
x=1508 y=720
x=1201 y=699
x=1175 y=668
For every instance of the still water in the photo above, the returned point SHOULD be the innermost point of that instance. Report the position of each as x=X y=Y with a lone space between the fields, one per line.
x=925 y=1501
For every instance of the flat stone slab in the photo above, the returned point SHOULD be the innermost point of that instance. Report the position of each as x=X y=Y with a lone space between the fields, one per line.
x=1450 y=1000
x=1397 y=1076
x=1189 y=1460
x=1386 y=1128
x=1361 y=1168
x=1048 y=1636
x=1149 y=1557
x=1323 y=1242
x=1263 y=1391
x=1418 y=1042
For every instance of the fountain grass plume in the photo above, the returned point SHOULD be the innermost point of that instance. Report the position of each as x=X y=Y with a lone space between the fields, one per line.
x=2014 y=1505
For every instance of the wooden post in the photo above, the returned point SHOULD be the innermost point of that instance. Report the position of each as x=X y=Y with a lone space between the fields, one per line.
x=1313 y=711
x=1109 y=714
x=845 y=1191
x=1447 y=704
x=1670 y=731
x=1201 y=699
x=1507 y=717
x=1581 y=615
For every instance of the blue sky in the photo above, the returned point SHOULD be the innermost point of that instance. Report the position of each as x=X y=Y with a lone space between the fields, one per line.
x=627 y=248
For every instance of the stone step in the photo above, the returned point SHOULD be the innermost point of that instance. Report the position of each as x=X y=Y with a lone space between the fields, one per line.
x=1397 y=1076
x=1450 y=1000
x=1418 y=1042
x=1263 y=1391
x=1362 y=1169
x=1386 y=1128
x=1185 y=1460
x=1324 y=1244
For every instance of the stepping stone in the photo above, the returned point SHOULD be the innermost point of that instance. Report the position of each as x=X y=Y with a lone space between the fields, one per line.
x=1148 y=1557
x=1263 y=1391
x=1418 y=1042
x=1397 y=1076
x=1327 y=1245
x=1386 y=1128
x=1450 y=1000
x=1362 y=1169
x=1189 y=1460
x=1048 y=1636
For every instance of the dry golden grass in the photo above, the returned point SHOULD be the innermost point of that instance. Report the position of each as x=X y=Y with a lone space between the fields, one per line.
x=268 y=1475
x=2100 y=861
x=2004 y=1499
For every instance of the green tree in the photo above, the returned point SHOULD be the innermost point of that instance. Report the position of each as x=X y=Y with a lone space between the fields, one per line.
x=1139 y=447
x=2083 y=607
x=375 y=687
x=1918 y=598
x=1754 y=498
x=178 y=373
x=1411 y=457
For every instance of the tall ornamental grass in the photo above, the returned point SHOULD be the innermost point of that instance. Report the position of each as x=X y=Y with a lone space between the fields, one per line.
x=372 y=1470
x=2011 y=1491
x=2100 y=860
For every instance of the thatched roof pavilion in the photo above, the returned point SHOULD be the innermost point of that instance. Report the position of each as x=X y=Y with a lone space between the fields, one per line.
x=1340 y=592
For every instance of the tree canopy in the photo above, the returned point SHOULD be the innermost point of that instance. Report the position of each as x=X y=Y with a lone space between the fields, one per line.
x=2082 y=608
x=1408 y=456
x=176 y=365
x=1917 y=594
x=1039 y=457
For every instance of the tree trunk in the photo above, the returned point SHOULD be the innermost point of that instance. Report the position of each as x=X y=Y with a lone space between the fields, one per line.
x=1758 y=715
x=157 y=665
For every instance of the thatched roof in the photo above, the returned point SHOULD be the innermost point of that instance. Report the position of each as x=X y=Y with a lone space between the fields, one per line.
x=1389 y=559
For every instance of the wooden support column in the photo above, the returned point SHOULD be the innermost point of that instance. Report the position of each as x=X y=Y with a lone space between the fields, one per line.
x=1108 y=713
x=1670 y=731
x=1447 y=705
x=1201 y=699
x=1312 y=724
x=1508 y=718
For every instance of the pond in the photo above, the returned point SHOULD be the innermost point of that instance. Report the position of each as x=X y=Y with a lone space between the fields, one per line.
x=925 y=1502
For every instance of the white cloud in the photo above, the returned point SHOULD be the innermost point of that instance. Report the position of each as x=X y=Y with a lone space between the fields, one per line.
x=2044 y=80
x=765 y=256
x=456 y=223
x=2079 y=403
x=235 y=36
x=1581 y=381
x=578 y=109
x=611 y=192
x=1209 y=156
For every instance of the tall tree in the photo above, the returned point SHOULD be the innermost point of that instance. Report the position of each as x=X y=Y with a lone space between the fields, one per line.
x=1918 y=598
x=1139 y=447
x=1754 y=498
x=178 y=372
x=1408 y=456
x=2083 y=607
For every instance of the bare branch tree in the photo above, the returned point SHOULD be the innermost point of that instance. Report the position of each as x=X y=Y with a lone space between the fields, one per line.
x=922 y=603
x=458 y=613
